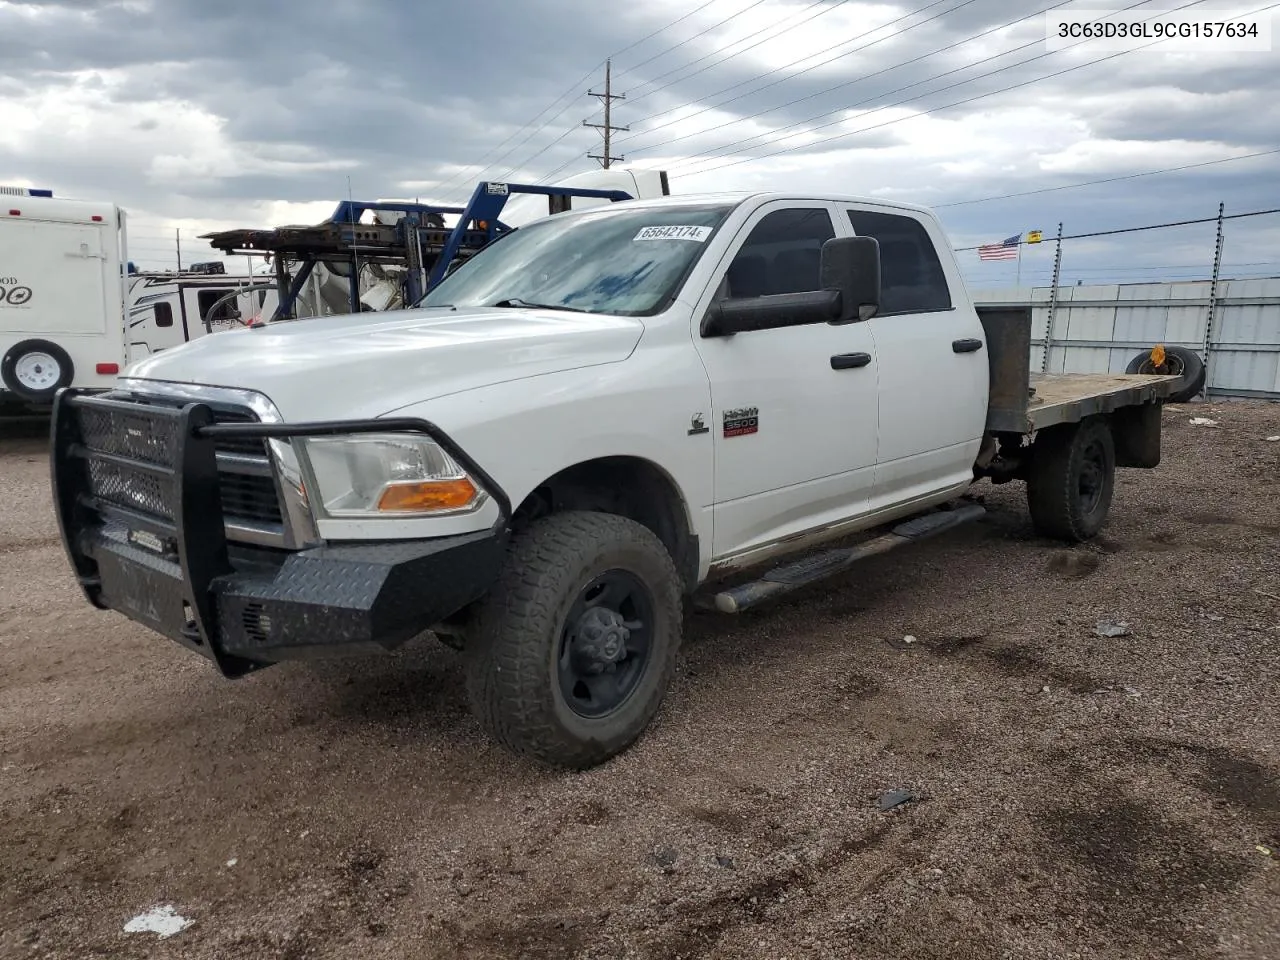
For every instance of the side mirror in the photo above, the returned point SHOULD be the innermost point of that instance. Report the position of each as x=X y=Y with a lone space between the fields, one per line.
x=744 y=314
x=851 y=265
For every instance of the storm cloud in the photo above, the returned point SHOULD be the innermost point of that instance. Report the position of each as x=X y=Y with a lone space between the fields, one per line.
x=198 y=116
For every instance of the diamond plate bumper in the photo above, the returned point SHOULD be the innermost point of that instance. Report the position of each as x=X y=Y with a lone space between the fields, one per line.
x=326 y=601
x=137 y=497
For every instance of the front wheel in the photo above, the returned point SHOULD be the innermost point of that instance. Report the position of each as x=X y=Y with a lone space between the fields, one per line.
x=1070 y=480
x=574 y=648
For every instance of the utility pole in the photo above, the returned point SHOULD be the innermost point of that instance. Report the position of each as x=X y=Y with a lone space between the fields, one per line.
x=607 y=127
x=177 y=240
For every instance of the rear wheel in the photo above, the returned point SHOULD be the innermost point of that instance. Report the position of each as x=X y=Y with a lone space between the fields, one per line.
x=574 y=648
x=1070 y=480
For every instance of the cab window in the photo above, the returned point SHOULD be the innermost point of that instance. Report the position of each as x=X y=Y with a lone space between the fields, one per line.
x=911 y=277
x=782 y=254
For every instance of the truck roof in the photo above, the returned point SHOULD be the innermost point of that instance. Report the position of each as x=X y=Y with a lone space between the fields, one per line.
x=740 y=196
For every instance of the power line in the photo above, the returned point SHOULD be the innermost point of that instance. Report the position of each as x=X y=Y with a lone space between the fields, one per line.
x=573 y=159
x=565 y=109
x=890 y=23
x=828 y=8
x=745 y=144
x=457 y=178
x=650 y=36
x=1152 y=226
x=701 y=33
x=800 y=73
x=572 y=91
x=954 y=103
x=1144 y=269
x=848 y=83
x=548 y=177
x=1092 y=183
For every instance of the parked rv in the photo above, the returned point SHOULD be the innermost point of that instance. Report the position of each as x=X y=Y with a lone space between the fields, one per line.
x=72 y=311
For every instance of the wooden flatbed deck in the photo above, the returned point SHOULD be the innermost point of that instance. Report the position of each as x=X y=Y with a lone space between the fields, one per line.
x=1067 y=397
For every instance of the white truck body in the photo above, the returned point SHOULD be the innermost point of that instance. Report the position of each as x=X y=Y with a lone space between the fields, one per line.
x=636 y=400
x=596 y=371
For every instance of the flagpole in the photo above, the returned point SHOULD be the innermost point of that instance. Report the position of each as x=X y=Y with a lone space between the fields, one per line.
x=1018 y=282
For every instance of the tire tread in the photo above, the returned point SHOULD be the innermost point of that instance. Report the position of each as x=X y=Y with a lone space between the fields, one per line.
x=506 y=653
x=1051 y=481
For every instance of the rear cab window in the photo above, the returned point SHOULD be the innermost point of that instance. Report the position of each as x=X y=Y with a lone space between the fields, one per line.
x=911 y=275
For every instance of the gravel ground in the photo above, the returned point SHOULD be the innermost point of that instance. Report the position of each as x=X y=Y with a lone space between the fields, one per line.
x=1075 y=796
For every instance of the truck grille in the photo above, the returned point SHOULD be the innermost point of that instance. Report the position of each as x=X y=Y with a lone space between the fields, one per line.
x=250 y=502
x=245 y=478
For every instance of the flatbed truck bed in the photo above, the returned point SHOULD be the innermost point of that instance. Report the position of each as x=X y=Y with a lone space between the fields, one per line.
x=1069 y=397
x=1022 y=401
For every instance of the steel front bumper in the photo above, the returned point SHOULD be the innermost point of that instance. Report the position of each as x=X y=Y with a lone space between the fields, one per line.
x=137 y=497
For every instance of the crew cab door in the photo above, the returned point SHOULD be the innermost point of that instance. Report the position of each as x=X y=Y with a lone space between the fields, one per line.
x=793 y=408
x=931 y=351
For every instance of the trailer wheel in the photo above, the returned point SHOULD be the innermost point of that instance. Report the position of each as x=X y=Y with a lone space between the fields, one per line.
x=574 y=648
x=1173 y=361
x=1070 y=480
x=35 y=370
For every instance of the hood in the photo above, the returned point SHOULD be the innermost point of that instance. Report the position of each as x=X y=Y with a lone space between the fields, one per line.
x=368 y=364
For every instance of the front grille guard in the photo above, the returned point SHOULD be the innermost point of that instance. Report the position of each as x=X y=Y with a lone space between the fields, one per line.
x=172 y=450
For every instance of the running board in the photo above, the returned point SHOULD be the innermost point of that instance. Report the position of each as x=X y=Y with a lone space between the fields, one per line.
x=801 y=573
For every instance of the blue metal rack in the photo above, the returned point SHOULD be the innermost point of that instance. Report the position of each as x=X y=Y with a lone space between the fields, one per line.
x=420 y=239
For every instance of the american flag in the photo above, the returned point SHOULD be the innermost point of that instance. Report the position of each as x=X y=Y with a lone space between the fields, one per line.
x=1006 y=249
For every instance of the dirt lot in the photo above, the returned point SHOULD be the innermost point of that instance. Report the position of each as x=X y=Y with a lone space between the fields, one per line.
x=1075 y=796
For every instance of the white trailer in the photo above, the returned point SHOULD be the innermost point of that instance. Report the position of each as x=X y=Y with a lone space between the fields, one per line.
x=71 y=312
x=168 y=309
x=62 y=287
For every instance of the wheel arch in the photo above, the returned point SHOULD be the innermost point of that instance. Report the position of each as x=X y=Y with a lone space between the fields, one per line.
x=627 y=485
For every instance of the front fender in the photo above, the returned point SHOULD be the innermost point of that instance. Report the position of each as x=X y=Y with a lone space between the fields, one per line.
x=527 y=431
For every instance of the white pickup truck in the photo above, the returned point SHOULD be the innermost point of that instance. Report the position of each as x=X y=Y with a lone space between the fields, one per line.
x=598 y=417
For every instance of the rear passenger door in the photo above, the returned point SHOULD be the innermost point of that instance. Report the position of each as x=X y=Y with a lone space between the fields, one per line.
x=933 y=383
x=794 y=431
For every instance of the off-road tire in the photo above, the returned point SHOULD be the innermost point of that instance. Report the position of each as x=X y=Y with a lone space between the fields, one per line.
x=512 y=649
x=1059 y=461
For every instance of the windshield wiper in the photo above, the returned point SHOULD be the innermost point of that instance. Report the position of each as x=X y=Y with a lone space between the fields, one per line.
x=525 y=304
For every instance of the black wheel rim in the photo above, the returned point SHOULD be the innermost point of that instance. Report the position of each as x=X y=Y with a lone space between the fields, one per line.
x=1172 y=366
x=1093 y=477
x=605 y=644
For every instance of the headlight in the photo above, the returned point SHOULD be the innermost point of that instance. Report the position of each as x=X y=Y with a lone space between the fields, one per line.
x=385 y=474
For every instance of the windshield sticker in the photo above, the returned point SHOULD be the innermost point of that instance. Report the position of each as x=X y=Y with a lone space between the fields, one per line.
x=696 y=234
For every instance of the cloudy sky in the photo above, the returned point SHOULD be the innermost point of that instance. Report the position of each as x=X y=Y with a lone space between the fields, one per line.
x=198 y=115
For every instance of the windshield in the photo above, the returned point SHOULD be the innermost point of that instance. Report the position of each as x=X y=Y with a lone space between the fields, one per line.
x=619 y=261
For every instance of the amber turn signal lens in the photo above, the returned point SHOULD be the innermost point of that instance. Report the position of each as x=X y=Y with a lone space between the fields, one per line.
x=427 y=496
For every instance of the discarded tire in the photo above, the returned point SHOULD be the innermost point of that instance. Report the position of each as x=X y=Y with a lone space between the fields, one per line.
x=1178 y=361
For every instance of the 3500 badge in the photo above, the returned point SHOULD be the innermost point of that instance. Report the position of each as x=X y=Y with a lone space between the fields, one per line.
x=740 y=422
